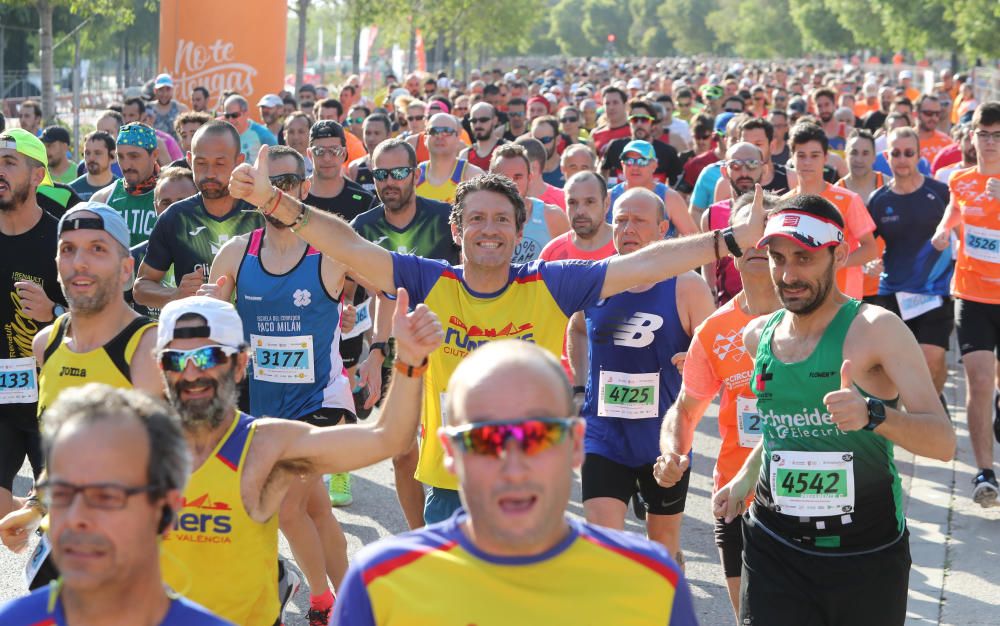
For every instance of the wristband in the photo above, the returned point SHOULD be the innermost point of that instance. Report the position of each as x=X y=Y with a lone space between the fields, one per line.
x=579 y=389
x=409 y=370
x=716 y=234
x=301 y=220
x=730 y=239
x=277 y=199
x=380 y=346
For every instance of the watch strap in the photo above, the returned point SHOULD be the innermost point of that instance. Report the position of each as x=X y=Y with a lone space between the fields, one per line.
x=730 y=238
x=380 y=346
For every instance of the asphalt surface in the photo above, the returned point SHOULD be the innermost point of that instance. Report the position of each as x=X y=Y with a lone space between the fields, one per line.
x=955 y=574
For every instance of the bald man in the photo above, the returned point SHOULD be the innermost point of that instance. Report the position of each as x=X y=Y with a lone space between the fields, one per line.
x=438 y=177
x=498 y=556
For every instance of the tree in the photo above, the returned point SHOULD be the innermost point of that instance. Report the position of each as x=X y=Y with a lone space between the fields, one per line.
x=755 y=28
x=301 y=8
x=685 y=24
x=976 y=25
x=821 y=31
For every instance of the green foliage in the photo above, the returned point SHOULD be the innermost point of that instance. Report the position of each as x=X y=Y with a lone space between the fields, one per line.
x=755 y=28
x=685 y=24
x=820 y=29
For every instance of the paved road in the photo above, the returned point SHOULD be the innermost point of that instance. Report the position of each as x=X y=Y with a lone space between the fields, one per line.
x=956 y=572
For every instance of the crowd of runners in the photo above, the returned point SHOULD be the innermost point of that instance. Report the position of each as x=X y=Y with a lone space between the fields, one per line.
x=529 y=273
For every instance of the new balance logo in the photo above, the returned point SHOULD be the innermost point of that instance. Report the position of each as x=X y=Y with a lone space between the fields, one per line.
x=637 y=332
x=301 y=298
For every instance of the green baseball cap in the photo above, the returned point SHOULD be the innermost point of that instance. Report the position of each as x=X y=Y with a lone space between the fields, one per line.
x=30 y=146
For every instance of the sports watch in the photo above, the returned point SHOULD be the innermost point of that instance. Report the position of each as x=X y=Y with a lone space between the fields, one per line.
x=876 y=413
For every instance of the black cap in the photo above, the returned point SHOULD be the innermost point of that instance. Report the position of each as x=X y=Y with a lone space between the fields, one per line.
x=797 y=104
x=324 y=129
x=55 y=133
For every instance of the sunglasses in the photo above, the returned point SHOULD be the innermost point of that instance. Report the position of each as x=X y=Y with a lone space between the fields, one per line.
x=232 y=116
x=637 y=161
x=480 y=120
x=703 y=137
x=640 y=118
x=909 y=154
x=740 y=164
x=397 y=173
x=354 y=120
x=732 y=110
x=515 y=114
x=205 y=357
x=337 y=151
x=568 y=120
x=285 y=181
x=546 y=140
x=931 y=113
x=490 y=438
x=441 y=130
x=415 y=118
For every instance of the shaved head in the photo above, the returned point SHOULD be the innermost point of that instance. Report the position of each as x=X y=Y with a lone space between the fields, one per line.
x=744 y=150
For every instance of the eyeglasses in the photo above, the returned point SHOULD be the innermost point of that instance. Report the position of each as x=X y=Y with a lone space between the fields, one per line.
x=546 y=140
x=515 y=114
x=740 y=164
x=909 y=153
x=232 y=116
x=354 y=120
x=285 y=181
x=490 y=438
x=205 y=357
x=397 y=173
x=568 y=120
x=104 y=496
x=415 y=118
x=441 y=130
x=703 y=137
x=931 y=113
x=480 y=120
x=335 y=151
x=645 y=119
x=988 y=136
x=684 y=104
x=732 y=110
x=636 y=161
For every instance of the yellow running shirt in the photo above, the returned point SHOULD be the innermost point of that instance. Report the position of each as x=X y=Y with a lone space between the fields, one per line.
x=445 y=192
x=216 y=555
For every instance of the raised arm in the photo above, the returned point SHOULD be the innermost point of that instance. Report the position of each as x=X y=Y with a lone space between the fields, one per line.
x=665 y=259
x=324 y=231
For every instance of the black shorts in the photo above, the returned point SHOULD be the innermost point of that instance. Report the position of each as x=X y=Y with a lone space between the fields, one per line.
x=729 y=539
x=350 y=350
x=932 y=328
x=19 y=438
x=978 y=326
x=603 y=478
x=782 y=586
x=329 y=416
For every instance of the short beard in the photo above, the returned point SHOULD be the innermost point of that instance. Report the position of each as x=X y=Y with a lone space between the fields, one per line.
x=823 y=289
x=405 y=196
x=215 y=194
x=88 y=306
x=205 y=413
x=19 y=196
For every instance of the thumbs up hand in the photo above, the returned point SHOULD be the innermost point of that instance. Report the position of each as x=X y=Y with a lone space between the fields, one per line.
x=251 y=182
x=846 y=406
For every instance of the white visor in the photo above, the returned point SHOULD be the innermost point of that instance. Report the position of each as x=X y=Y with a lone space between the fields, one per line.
x=808 y=231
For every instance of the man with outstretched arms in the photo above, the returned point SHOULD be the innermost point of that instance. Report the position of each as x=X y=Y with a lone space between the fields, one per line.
x=825 y=538
x=975 y=285
x=621 y=349
x=718 y=361
x=487 y=297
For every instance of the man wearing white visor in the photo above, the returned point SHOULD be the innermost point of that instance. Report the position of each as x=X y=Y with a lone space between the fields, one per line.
x=827 y=517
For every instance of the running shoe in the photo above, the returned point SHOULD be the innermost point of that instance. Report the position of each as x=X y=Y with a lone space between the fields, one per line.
x=340 y=489
x=996 y=416
x=288 y=586
x=985 y=490
x=319 y=617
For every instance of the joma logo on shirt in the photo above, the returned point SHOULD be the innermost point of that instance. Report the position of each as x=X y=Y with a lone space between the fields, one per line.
x=73 y=371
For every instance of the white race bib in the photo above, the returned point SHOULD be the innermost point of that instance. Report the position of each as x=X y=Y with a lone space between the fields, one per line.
x=982 y=244
x=34 y=563
x=18 y=382
x=287 y=360
x=913 y=304
x=363 y=322
x=747 y=421
x=812 y=484
x=629 y=396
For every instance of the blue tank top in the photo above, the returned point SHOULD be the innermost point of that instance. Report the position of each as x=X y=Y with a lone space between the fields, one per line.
x=660 y=190
x=293 y=327
x=632 y=383
x=536 y=235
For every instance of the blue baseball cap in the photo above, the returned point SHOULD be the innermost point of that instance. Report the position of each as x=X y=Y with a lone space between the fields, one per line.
x=721 y=120
x=108 y=220
x=642 y=148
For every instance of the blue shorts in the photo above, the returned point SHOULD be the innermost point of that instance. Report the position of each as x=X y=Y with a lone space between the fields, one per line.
x=441 y=504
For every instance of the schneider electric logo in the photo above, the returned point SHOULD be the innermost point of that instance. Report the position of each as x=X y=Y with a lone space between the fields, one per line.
x=805 y=424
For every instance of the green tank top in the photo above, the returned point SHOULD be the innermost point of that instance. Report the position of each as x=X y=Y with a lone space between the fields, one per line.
x=820 y=489
x=138 y=211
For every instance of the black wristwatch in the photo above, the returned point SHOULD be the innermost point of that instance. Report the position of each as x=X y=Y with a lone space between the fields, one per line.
x=380 y=346
x=579 y=389
x=876 y=413
x=730 y=238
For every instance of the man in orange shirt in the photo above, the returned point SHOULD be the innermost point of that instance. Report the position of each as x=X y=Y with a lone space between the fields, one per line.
x=932 y=141
x=975 y=208
x=717 y=360
x=809 y=149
